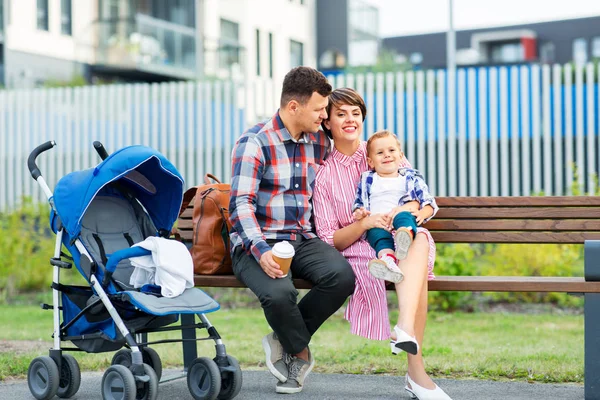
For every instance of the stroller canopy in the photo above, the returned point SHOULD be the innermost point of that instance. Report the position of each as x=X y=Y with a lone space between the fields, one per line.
x=142 y=171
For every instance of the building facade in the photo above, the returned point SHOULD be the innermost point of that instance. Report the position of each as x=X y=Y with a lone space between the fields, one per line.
x=347 y=34
x=153 y=40
x=563 y=41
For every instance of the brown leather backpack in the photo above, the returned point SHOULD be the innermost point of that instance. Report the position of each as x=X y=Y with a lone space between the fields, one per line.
x=210 y=243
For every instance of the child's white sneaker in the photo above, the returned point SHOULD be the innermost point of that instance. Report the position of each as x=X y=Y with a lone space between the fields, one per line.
x=385 y=268
x=402 y=240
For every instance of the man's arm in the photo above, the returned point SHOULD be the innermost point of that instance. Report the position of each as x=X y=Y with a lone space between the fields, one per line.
x=247 y=172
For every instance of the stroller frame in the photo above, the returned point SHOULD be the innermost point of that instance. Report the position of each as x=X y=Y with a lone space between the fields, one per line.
x=60 y=374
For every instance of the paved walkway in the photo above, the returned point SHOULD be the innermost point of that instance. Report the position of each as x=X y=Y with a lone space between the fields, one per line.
x=261 y=385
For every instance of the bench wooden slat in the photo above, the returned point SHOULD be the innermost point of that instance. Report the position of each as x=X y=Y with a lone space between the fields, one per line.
x=454 y=283
x=512 y=225
x=449 y=236
x=513 y=237
x=520 y=201
x=519 y=213
x=440 y=224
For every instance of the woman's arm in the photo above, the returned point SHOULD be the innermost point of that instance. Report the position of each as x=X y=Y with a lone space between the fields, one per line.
x=344 y=237
x=327 y=224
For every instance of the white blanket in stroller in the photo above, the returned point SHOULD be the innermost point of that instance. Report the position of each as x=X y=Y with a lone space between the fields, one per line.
x=170 y=266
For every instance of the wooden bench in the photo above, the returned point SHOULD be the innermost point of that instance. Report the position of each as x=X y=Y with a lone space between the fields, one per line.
x=573 y=219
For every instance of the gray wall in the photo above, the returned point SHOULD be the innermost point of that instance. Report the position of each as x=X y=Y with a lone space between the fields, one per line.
x=561 y=33
x=332 y=27
x=25 y=70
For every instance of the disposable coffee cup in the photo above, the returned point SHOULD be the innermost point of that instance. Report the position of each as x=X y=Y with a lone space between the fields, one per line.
x=283 y=252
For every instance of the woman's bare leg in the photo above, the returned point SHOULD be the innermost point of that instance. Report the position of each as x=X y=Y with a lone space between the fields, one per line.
x=412 y=305
x=416 y=366
x=409 y=291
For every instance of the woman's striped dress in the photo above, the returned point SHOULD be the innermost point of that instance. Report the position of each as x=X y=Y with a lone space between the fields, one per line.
x=334 y=193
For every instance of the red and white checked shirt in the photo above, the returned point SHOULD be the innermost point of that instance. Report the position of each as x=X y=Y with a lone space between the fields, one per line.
x=334 y=194
x=272 y=184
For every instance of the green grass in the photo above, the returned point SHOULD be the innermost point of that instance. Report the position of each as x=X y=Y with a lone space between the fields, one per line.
x=526 y=347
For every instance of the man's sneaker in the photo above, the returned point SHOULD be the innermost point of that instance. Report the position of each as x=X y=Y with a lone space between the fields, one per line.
x=385 y=268
x=402 y=240
x=298 y=370
x=276 y=358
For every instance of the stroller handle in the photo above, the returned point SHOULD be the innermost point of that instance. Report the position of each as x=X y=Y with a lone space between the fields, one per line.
x=33 y=168
x=100 y=150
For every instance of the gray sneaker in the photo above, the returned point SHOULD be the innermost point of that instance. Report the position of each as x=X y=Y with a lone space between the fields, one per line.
x=276 y=358
x=298 y=370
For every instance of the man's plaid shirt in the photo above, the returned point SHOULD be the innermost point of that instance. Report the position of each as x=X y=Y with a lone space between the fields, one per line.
x=272 y=184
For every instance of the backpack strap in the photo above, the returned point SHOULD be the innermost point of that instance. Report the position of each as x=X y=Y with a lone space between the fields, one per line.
x=207 y=178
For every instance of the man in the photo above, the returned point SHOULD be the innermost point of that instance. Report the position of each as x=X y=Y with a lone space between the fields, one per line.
x=274 y=167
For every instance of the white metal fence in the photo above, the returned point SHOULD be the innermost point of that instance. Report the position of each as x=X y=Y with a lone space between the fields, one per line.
x=518 y=130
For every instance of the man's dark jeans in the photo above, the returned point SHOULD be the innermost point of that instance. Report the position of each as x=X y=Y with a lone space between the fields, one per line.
x=315 y=261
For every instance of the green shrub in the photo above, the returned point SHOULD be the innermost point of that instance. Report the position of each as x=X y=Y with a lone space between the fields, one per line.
x=454 y=260
x=26 y=245
x=533 y=260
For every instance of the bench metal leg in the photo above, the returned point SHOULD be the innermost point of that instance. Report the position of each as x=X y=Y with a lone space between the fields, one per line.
x=190 y=348
x=592 y=322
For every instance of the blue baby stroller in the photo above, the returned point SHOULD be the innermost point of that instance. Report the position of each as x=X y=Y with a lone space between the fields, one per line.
x=97 y=215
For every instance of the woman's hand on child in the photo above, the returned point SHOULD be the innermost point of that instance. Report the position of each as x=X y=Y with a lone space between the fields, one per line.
x=360 y=213
x=411 y=206
x=375 y=221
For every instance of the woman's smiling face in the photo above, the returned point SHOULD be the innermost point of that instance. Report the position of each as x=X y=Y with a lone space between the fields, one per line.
x=345 y=123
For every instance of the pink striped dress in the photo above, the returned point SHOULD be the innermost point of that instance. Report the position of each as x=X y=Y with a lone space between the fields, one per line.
x=334 y=193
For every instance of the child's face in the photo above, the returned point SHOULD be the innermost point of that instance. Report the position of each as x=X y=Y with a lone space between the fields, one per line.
x=385 y=156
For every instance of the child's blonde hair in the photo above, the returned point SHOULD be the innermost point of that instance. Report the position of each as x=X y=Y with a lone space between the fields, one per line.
x=379 y=135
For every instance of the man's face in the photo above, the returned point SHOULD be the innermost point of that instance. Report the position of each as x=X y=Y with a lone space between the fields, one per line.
x=310 y=115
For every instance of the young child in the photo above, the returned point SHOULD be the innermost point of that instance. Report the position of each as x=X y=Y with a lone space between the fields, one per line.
x=383 y=190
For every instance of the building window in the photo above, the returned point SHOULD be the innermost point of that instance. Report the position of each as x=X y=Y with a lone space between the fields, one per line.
x=580 y=51
x=229 y=44
x=66 y=20
x=596 y=47
x=507 y=52
x=42 y=15
x=257 y=52
x=547 y=53
x=270 y=55
x=296 y=54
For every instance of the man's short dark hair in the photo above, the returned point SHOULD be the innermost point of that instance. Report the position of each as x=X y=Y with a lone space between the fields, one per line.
x=301 y=82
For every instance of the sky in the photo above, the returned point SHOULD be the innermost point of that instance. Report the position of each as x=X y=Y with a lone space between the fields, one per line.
x=408 y=17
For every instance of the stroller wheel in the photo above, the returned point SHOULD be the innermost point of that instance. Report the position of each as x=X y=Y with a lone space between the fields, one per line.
x=118 y=383
x=43 y=378
x=148 y=390
x=231 y=379
x=204 y=379
x=70 y=377
x=152 y=358
x=122 y=357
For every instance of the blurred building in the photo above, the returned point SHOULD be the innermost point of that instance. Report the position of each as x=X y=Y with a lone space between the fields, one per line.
x=576 y=40
x=153 y=40
x=347 y=34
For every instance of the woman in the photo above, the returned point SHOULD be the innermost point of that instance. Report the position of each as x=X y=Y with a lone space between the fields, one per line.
x=334 y=193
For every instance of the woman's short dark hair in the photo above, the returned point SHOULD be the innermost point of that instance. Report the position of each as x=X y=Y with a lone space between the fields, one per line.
x=344 y=97
x=301 y=82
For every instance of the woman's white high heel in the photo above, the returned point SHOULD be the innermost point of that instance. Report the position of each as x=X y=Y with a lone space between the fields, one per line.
x=404 y=342
x=419 y=392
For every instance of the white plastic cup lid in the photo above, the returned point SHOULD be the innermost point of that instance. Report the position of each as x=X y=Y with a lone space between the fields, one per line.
x=284 y=249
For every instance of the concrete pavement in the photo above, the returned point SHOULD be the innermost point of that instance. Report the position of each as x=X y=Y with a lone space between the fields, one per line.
x=261 y=385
